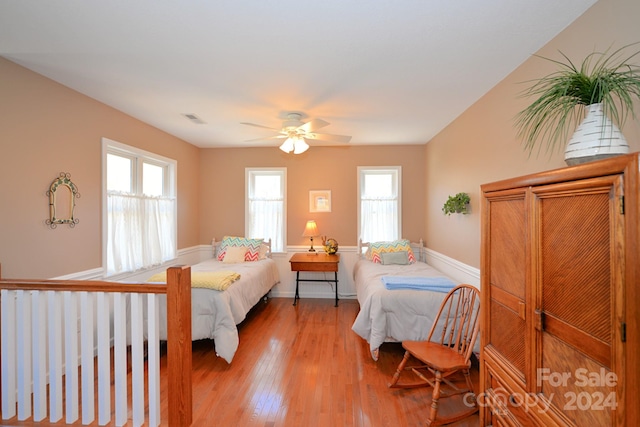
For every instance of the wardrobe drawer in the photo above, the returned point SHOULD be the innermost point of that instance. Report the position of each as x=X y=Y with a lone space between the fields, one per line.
x=507 y=408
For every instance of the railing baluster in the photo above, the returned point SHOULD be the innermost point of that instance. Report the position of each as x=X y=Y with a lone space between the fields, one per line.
x=9 y=378
x=87 y=358
x=104 y=358
x=71 y=355
x=120 y=356
x=23 y=329
x=39 y=346
x=55 y=356
x=137 y=362
x=153 y=361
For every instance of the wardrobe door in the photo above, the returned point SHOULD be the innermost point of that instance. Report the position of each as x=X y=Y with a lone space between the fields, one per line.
x=504 y=282
x=578 y=280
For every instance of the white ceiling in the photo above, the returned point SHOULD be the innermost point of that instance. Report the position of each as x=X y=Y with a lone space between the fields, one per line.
x=383 y=71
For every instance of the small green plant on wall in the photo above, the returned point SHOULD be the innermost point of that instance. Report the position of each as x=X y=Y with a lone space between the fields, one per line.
x=457 y=204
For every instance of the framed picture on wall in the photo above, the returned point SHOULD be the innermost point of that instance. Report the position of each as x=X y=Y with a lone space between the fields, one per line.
x=320 y=201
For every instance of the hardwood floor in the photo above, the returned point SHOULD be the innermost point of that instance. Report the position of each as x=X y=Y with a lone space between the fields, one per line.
x=303 y=366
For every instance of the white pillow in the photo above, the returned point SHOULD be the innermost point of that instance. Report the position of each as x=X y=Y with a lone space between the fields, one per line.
x=234 y=254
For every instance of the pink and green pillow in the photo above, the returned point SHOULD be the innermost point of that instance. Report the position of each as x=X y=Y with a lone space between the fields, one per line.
x=252 y=245
x=378 y=248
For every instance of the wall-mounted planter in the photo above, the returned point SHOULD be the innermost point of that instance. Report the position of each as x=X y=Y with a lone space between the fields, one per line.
x=457 y=204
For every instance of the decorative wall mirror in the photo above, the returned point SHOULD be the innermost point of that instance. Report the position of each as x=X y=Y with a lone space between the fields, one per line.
x=62 y=201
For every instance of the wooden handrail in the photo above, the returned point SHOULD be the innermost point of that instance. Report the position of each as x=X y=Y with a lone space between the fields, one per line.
x=178 y=291
x=82 y=285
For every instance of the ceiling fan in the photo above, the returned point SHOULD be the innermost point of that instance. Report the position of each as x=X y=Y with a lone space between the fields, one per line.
x=296 y=133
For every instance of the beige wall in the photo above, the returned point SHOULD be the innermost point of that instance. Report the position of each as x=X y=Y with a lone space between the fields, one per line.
x=45 y=129
x=480 y=146
x=320 y=168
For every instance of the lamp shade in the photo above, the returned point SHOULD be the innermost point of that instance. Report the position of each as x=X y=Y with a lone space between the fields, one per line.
x=311 y=229
x=288 y=145
x=300 y=146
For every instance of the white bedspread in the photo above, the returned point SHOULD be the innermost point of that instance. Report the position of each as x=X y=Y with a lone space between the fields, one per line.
x=393 y=315
x=215 y=314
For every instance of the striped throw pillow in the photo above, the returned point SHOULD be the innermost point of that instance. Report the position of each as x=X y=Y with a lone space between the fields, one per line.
x=377 y=248
x=252 y=245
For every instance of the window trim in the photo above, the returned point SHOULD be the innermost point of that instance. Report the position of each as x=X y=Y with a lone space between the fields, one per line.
x=138 y=156
x=282 y=171
x=362 y=170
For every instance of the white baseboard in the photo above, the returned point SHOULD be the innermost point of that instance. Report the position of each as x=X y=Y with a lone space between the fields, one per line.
x=93 y=274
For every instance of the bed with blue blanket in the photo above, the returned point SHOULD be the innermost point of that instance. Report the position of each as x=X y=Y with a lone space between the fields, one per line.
x=398 y=299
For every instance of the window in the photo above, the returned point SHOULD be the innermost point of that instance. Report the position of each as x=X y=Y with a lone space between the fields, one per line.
x=139 y=208
x=379 y=208
x=266 y=205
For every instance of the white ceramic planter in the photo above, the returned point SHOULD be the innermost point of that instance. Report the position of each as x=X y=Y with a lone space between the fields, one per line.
x=597 y=137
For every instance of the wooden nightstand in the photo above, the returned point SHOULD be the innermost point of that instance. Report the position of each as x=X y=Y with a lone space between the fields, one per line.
x=315 y=262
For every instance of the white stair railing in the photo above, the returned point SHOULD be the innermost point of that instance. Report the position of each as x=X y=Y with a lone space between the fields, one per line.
x=54 y=333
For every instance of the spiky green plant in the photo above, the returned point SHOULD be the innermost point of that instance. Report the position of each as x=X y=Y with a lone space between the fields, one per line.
x=605 y=77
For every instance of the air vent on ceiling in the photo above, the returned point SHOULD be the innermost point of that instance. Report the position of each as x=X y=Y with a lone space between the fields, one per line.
x=194 y=118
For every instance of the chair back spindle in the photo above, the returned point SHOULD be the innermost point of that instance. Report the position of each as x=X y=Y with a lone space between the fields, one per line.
x=457 y=320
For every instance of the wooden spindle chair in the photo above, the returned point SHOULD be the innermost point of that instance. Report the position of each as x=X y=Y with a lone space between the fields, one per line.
x=454 y=333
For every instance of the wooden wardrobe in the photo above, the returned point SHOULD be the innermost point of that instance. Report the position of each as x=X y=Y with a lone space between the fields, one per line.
x=559 y=278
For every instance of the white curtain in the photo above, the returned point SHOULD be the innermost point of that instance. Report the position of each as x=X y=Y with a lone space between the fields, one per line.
x=266 y=217
x=141 y=231
x=379 y=219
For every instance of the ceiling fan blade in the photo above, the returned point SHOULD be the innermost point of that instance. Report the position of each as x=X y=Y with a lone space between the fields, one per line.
x=328 y=137
x=313 y=125
x=260 y=126
x=265 y=138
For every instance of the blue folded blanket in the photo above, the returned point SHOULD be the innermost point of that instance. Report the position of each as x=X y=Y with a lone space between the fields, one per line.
x=436 y=284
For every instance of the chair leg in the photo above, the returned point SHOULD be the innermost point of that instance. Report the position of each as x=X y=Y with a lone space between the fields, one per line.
x=401 y=366
x=435 y=397
x=467 y=377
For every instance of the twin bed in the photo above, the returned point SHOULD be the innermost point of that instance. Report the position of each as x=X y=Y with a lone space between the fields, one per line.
x=405 y=311
x=247 y=275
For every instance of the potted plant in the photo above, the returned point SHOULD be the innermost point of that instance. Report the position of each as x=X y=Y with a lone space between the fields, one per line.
x=606 y=83
x=457 y=204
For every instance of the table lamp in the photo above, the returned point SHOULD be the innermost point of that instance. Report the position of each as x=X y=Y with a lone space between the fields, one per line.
x=310 y=231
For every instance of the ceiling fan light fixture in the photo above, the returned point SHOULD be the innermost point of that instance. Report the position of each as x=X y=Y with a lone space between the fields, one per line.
x=296 y=134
